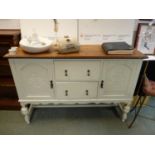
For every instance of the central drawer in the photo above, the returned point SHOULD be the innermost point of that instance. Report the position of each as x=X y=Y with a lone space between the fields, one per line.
x=77 y=70
x=76 y=90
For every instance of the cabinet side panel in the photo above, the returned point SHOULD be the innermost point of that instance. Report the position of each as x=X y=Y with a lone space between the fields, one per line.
x=15 y=77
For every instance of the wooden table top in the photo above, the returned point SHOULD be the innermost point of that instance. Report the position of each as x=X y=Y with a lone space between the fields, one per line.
x=86 y=52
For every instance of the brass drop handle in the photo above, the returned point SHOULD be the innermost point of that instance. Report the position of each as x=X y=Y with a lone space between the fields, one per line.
x=88 y=72
x=66 y=92
x=51 y=84
x=66 y=72
x=102 y=83
x=87 y=92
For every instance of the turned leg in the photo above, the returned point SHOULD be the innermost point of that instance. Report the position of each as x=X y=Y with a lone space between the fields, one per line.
x=126 y=109
x=25 y=112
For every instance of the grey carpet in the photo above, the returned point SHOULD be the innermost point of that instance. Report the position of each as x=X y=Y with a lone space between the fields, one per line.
x=72 y=121
x=148 y=111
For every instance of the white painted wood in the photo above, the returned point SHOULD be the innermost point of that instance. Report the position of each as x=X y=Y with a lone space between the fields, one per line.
x=76 y=90
x=25 y=112
x=16 y=78
x=119 y=77
x=77 y=70
x=34 y=78
x=126 y=109
x=73 y=101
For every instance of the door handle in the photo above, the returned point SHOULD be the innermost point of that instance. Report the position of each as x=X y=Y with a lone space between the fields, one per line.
x=102 y=83
x=66 y=72
x=87 y=92
x=66 y=92
x=88 y=72
x=51 y=84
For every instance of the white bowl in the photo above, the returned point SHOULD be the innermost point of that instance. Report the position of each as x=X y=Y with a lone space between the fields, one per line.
x=42 y=45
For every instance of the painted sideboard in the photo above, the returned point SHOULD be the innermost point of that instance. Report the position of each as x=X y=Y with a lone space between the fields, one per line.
x=87 y=78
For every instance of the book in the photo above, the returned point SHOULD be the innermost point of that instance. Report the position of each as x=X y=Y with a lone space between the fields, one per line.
x=117 y=48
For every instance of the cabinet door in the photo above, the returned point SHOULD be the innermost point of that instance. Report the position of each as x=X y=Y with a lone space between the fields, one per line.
x=76 y=90
x=77 y=70
x=34 y=78
x=119 y=78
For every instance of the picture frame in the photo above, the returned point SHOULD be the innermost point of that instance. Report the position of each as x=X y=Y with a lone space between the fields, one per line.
x=145 y=38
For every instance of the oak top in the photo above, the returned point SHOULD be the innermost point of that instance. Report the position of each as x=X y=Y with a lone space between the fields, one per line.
x=86 y=52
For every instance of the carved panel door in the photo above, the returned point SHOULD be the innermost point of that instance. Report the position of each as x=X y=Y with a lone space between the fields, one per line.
x=118 y=79
x=35 y=78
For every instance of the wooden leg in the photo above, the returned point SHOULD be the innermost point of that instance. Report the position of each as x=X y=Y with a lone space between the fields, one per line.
x=126 y=109
x=26 y=112
x=27 y=119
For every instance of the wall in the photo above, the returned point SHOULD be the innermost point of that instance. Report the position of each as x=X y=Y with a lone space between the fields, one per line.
x=105 y=30
x=87 y=31
x=45 y=27
x=9 y=24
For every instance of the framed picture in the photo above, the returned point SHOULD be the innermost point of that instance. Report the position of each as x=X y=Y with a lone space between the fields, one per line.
x=145 y=38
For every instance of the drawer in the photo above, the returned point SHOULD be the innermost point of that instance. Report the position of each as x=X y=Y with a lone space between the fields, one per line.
x=77 y=70
x=76 y=90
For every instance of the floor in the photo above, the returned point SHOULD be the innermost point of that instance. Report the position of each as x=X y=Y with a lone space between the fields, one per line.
x=77 y=121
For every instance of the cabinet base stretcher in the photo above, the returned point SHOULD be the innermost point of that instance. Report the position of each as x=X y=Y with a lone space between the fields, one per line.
x=27 y=108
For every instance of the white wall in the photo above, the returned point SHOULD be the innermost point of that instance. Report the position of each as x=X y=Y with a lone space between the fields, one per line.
x=9 y=24
x=88 y=31
x=45 y=27
x=106 y=30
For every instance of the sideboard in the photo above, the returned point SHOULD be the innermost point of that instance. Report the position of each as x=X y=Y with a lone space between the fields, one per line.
x=87 y=78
